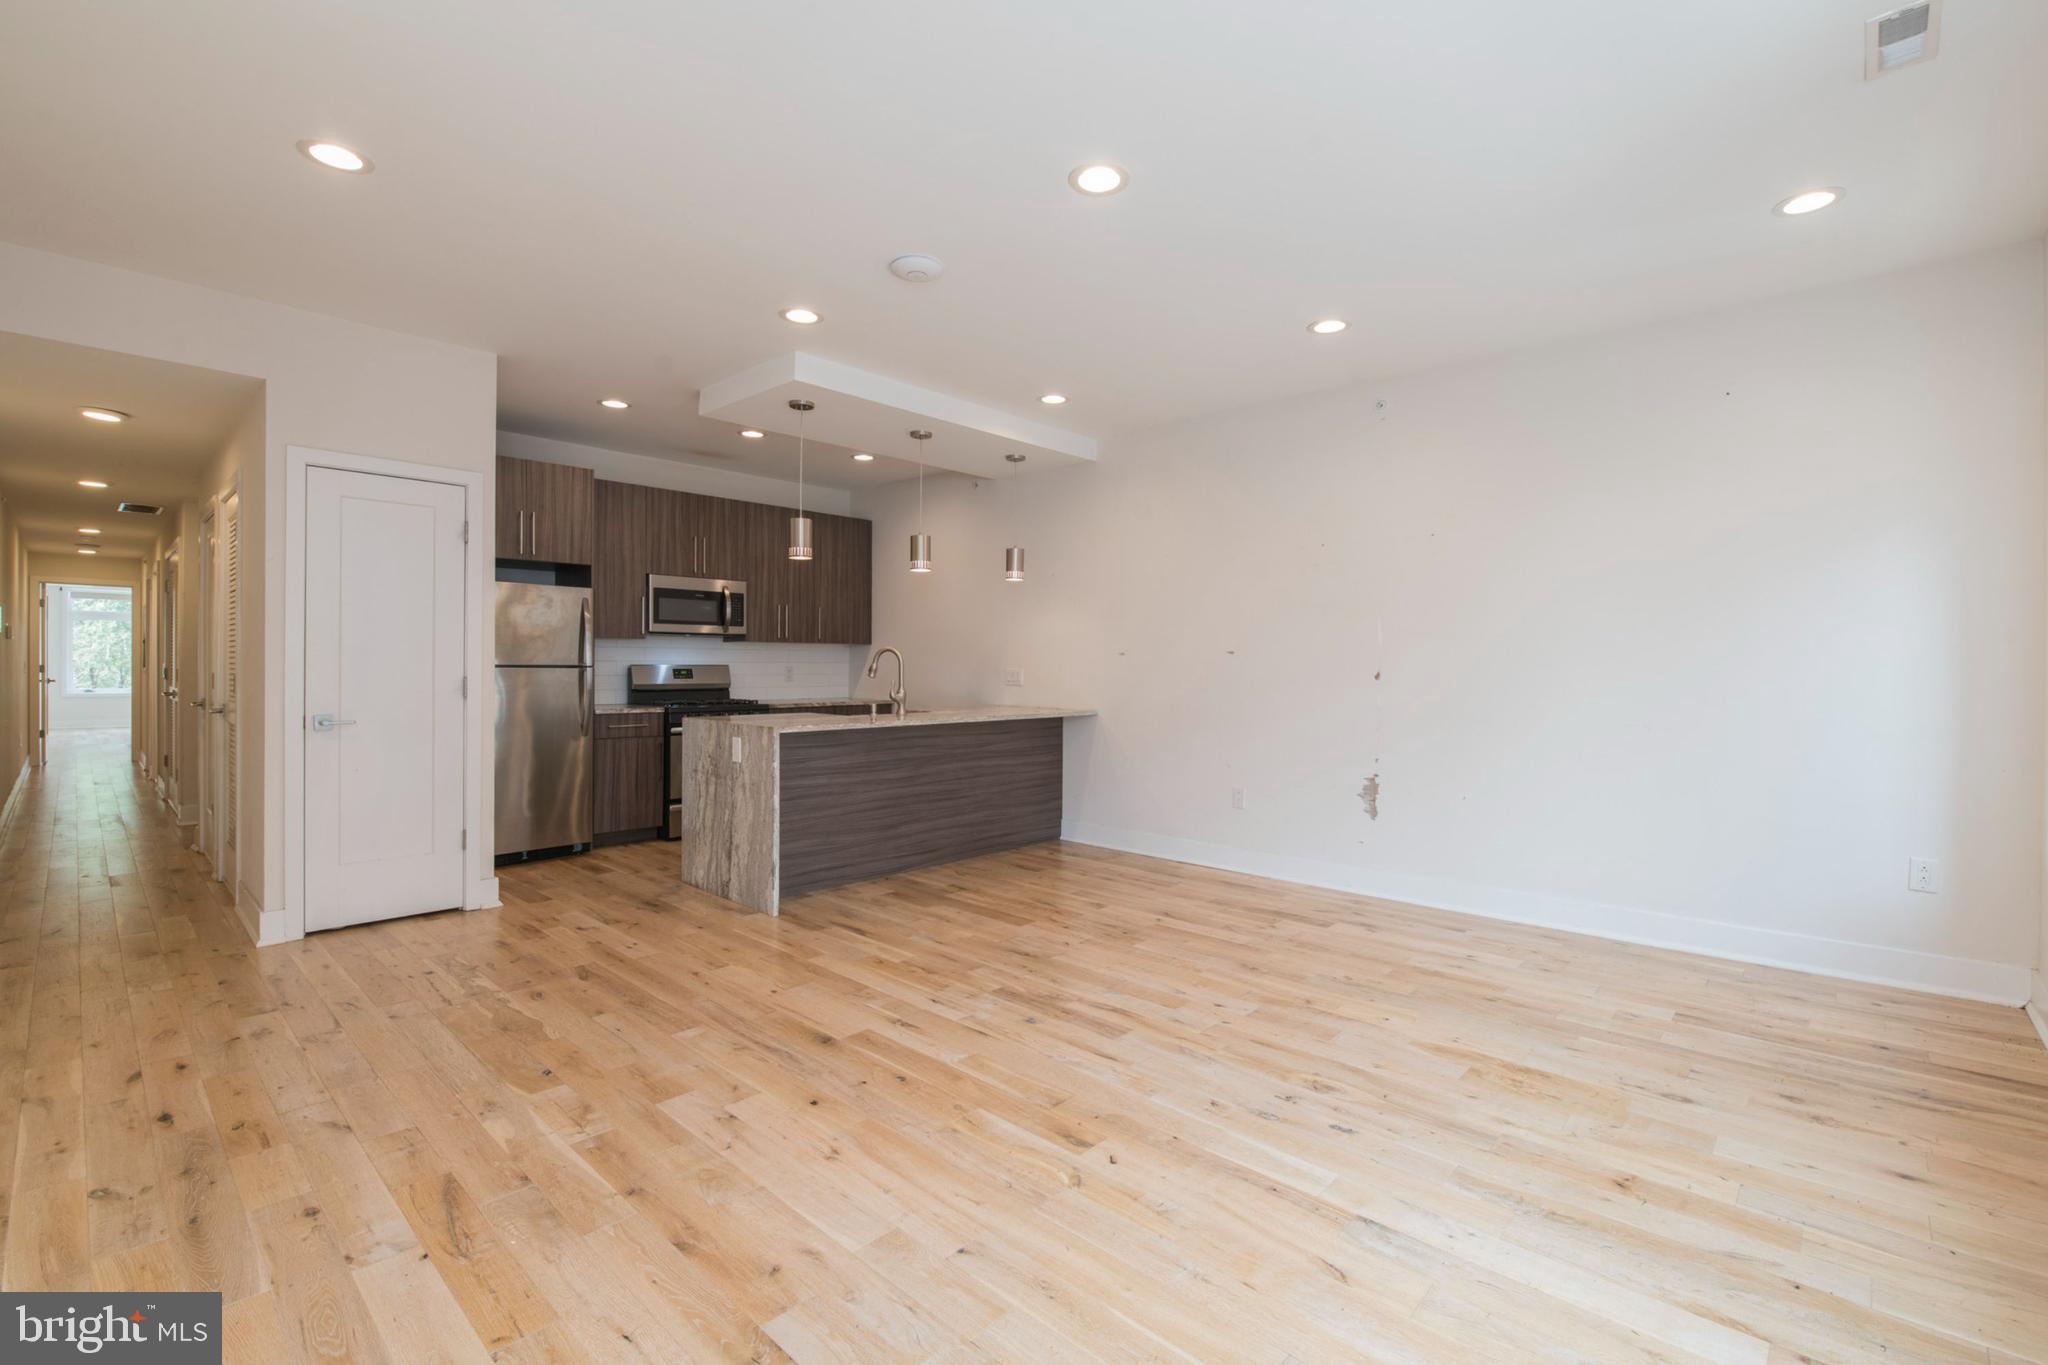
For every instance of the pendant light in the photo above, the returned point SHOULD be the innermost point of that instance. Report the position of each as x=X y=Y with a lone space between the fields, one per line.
x=1013 y=555
x=920 y=543
x=800 y=525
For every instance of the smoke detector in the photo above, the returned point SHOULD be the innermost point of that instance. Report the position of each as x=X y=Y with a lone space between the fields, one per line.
x=917 y=268
x=1901 y=38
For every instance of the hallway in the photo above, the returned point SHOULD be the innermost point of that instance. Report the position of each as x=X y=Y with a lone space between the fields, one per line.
x=113 y=940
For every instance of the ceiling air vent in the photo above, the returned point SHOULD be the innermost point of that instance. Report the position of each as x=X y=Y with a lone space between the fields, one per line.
x=140 y=509
x=1901 y=38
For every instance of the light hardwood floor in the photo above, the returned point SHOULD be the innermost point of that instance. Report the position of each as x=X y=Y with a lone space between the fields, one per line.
x=1048 y=1106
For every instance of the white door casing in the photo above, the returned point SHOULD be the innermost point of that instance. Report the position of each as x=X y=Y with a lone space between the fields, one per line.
x=230 y=700
x=384 y=658
x=42 y=675
x=208 y=766
x=167 y=685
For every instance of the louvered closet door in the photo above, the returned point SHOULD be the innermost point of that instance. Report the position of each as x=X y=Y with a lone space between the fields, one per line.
x=231 y=618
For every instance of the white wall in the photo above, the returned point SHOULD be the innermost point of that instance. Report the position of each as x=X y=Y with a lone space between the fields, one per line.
x=14 y=656
x=329 y=385
x=2040 y=992
x=1691 y=634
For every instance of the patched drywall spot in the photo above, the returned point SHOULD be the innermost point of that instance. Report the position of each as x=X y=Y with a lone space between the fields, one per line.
x=1369 y=797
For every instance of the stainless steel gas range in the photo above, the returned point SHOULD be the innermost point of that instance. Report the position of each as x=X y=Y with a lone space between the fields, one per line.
x=682 y=691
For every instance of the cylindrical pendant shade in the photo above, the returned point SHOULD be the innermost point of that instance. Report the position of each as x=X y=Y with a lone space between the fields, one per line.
x=799 y=537
x=920 y=553
x=1013 y=564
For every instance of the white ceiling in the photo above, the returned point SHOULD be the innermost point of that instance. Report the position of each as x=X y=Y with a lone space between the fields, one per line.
x=619 y=197
x=180 y=416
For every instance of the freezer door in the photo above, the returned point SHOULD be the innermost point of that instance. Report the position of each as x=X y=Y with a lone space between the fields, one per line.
x=545 y=756
x=539 y=623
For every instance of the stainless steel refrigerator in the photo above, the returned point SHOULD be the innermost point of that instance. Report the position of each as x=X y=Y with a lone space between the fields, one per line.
x=546 y=704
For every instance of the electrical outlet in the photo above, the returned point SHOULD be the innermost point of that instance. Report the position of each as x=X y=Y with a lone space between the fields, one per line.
x=736 y=748
x=1237 y=798
x=1923 y=874
x=789 y=672
x=1013 y=677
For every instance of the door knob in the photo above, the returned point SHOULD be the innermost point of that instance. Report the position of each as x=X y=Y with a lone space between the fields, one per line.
x=323 y=721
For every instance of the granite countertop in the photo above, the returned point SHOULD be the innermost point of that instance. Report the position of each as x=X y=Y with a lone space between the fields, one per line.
x=788 y=722
x=622 y=709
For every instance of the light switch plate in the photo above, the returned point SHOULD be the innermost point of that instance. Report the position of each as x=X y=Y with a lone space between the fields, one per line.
x=736 y=748
x=1013 y=677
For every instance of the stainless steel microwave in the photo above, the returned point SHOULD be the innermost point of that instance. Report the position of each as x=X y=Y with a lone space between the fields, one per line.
x=696 y=606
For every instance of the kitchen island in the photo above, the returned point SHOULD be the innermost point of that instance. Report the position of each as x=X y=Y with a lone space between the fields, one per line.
x=777 y=804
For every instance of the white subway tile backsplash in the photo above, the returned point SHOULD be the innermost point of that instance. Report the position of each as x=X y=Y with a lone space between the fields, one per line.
x=764 y=671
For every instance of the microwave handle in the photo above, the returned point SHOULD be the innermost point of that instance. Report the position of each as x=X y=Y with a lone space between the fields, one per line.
x=725 y=609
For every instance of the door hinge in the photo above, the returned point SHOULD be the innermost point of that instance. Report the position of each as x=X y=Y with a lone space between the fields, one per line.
x=465 y=533
x=465 y=838
x=465 y=687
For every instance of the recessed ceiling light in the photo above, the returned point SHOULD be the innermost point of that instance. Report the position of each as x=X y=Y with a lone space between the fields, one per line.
x=1808 y=201
x=802 y=317
x=750 y=433
x=84 y=551
x=336 y=157
x=103 y=414
x=1098 y=179
x=862 y=456
x=90 y=483
x=88 y=530
x=1328 y=327
x=1053 y=398
x=618 y=403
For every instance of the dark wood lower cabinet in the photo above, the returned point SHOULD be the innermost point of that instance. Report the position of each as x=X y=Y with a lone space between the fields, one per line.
x=865 y=803
x=632 y=798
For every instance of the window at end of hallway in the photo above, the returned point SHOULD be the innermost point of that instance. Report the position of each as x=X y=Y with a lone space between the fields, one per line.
x=99 y=653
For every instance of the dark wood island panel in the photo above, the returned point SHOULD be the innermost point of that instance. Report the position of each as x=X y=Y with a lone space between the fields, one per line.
x=865 y=803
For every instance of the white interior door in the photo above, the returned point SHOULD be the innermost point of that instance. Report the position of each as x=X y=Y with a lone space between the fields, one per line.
x=208 y=767
x=42 y=676
x=167 y=690
x=384 y=706
x=229 y=868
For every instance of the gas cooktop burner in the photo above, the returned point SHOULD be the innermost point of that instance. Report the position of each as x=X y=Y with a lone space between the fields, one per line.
x=724 y=706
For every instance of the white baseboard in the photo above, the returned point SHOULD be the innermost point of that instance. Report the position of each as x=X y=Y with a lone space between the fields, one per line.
x=14 y=791
x=2037 y=1007
x=264 y=927
x=483 y=895
x=1998 y=983
x=188 y=815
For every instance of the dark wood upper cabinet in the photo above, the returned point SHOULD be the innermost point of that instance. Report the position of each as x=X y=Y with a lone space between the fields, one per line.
x=849 y=617
x=771 y=578
x=625 y=552
x=642 y=531
x=547 y=513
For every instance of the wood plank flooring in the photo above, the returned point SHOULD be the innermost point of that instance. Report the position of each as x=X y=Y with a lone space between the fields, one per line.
x=1057 y=1104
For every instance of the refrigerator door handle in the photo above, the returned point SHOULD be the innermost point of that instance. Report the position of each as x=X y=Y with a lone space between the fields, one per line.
x=583 y=701
x=586 y=653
